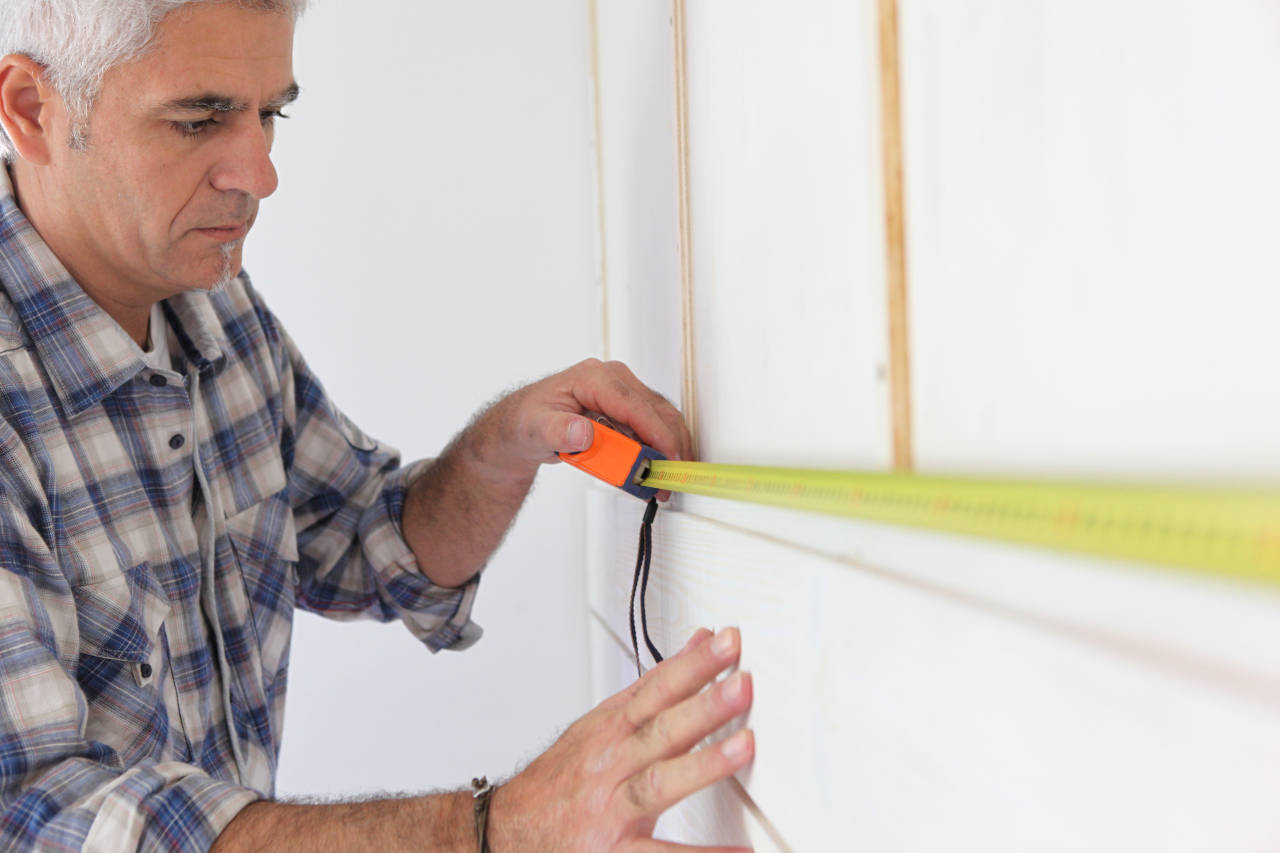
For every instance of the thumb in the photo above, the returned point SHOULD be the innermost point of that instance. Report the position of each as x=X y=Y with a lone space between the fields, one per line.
x=578 y=433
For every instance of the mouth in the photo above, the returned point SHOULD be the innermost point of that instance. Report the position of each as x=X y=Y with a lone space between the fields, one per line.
x=225 y=233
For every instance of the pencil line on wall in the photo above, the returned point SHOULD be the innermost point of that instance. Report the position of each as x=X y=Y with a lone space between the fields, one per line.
x=689 y=390
x=895 y=237
x=602 y=246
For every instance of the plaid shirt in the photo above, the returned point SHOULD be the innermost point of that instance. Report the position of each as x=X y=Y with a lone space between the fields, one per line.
x=157 y=529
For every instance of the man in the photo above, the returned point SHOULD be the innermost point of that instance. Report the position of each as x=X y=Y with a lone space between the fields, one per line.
x=174 y=481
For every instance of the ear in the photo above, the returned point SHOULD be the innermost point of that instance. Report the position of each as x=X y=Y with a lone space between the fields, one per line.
x=27 y=105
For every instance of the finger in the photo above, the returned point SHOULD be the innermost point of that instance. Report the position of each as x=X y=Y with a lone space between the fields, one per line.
x=653 y=845
x=677 y=730
x=565 y=432
x=613 y=390
x=666 y=410
x=681 y=676
x=626 y=694
x=669 y=413
x=557 y=431
x=665 y=783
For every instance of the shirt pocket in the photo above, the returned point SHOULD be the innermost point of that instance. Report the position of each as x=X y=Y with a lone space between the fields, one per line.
x=264 y=539
x=121 y=660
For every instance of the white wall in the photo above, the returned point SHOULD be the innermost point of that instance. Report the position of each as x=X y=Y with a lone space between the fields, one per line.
x=1091 y=204
x=433 y=243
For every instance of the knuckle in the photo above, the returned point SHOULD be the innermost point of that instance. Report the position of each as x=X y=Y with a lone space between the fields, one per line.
x=644 y=790
x=657 y=731
x=634 y=715
x=663 y=692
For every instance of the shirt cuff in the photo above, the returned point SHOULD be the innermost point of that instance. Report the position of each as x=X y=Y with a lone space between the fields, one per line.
x=438 y=616
x=188 y=812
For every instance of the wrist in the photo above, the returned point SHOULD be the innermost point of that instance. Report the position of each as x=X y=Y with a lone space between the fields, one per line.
x=491 y=450
x=500 y=821
x=481 y=793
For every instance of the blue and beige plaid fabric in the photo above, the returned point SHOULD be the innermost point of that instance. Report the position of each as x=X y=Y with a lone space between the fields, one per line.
x=113 y=734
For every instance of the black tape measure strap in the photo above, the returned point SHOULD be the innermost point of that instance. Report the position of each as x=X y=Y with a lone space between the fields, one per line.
x=640 y=583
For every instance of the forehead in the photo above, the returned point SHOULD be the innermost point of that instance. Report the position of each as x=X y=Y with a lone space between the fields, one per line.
x=211 y=47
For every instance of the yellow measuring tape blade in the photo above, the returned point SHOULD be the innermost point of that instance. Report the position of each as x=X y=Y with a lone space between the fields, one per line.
x=1219 y=531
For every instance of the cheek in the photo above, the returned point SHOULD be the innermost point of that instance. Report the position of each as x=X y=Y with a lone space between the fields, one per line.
x=170 y=196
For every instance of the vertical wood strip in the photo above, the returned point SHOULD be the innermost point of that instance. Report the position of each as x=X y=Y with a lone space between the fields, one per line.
x=602 y=245
x=690 y=390
x=895 y=234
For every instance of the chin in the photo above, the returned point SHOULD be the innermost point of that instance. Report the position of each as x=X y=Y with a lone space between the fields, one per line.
x=228 y=269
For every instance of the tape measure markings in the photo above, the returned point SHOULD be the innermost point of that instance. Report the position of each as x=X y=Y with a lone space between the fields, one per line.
x=1225 y=532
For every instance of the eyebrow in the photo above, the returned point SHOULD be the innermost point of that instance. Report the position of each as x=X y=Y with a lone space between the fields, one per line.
x=214 y=102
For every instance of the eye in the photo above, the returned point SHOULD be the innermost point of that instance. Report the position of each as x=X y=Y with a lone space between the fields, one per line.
x=270 y=116
x=193 y=128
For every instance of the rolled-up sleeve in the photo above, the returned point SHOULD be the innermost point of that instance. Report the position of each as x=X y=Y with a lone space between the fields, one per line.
x=348 y=494
x=59 y=788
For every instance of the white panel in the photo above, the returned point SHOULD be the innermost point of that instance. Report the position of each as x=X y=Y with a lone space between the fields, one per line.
x=895 y=713
x=1093 y=204
x=788 y=245
x=1226 y=631
x=638 y=148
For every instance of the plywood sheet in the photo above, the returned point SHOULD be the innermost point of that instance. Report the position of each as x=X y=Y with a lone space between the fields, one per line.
x=1093 y=198
x=787 y=232
x=896 y=715
x=637 y=140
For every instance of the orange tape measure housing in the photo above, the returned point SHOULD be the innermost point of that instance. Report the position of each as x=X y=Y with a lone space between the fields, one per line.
x=618 y=460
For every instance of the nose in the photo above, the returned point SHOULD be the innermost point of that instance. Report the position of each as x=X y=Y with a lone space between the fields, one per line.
x=246 y=165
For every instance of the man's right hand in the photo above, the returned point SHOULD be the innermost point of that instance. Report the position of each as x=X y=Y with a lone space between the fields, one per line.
x=603 y=784
x=599 y=789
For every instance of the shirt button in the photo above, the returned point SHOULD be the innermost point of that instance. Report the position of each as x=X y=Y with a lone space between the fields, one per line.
x=177 y=441
x=158 y=381
x=145 y=670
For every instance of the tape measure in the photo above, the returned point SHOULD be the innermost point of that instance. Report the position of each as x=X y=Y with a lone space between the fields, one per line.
x=1220 y=531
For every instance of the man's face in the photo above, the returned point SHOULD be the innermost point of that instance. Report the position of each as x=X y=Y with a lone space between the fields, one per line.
x=178 y=154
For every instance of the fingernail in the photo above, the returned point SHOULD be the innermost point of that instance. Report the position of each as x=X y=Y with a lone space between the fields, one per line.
x=580 y=434
x=738 y=746
x=723 y=643
x=733 y=687
x=693 y=641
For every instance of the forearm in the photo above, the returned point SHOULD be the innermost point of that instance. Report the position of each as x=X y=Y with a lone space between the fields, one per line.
x=458 y=511
x=439 y=822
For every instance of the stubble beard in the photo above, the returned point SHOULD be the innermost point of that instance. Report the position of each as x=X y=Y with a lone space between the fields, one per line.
x=229 y=273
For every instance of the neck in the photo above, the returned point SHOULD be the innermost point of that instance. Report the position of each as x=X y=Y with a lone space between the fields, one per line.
x=129 y=307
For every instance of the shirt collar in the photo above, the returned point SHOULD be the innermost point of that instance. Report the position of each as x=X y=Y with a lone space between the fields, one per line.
x=86 y=354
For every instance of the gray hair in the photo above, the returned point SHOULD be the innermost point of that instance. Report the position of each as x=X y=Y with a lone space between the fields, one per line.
x=79 y=41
